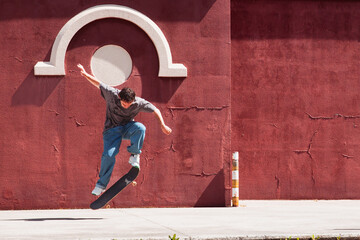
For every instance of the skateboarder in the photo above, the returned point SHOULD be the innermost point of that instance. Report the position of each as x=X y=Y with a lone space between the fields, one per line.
x=121 y=108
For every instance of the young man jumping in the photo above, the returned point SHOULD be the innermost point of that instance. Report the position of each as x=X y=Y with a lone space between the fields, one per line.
x=121 y=108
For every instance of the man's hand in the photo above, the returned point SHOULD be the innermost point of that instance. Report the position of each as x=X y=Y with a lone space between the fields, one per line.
x=82 y=69
x=166 y=129
x=89 y=77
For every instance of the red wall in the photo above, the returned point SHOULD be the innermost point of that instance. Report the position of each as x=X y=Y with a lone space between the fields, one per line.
x=295 y=98
x=286 y=84
x=51 y=139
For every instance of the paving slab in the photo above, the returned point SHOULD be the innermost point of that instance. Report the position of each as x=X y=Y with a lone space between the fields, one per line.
x=339 y=219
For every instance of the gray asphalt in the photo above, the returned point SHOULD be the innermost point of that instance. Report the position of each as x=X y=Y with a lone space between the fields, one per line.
x=338 y=219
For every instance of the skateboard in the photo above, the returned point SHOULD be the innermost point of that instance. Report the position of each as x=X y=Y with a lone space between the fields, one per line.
x=115 y=189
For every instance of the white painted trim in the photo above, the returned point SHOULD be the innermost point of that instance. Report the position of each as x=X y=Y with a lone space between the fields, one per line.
x=56 y=66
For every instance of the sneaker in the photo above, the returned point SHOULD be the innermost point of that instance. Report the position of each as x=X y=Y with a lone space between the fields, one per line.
x=97 y=191
x=135 y=160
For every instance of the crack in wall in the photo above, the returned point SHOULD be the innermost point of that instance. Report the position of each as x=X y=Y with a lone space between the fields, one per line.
x=55 y=148
x=202 y=174
x=335 y=116
x=172 y=147
x=196 y=108
x=274 y=125
x=167 y=149
x=79 y=123
x=308 y=152
x=277 y=182
x=54 y=111
x=278 y=188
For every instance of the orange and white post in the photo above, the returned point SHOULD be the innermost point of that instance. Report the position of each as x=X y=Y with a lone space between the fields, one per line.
x=235 y=179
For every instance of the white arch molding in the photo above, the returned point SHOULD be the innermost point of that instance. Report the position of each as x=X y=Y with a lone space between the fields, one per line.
x=56 y=66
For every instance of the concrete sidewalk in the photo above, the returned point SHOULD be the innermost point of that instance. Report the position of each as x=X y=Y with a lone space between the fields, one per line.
x=252 y=220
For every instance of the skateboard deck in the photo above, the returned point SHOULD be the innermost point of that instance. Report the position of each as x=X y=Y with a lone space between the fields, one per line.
x=115 y=189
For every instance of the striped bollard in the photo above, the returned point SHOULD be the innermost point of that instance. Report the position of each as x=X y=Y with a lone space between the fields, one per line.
x=235 y=180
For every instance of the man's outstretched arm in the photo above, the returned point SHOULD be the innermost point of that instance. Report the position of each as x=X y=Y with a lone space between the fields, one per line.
x=164 y=128
x=89 y=77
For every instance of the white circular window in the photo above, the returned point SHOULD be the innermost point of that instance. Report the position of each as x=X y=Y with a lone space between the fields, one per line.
x=111 y=64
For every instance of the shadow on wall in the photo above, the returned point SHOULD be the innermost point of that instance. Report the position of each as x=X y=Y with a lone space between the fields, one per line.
x=184 y=10
x=34 y=90
x=214 y=194
x=295 y=19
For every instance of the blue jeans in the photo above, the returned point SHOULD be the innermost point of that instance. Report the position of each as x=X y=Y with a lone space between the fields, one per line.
x=133 y=131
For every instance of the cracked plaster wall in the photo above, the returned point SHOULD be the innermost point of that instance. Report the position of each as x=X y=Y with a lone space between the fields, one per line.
x=295 y=98
x=51 y=140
